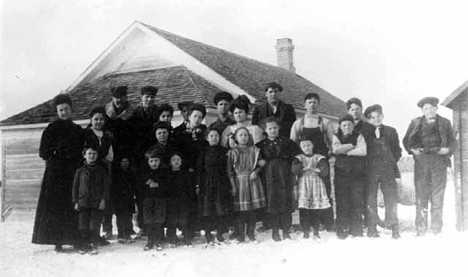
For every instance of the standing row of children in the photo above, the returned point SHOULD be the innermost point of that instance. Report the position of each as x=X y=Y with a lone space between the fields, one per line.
x=192 y=177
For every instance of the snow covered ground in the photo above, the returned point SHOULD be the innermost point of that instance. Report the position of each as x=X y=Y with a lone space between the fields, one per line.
x=409 y=256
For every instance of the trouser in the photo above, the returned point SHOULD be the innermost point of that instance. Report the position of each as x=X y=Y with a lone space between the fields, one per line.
x=389 y=189
x=89 y=224
x=430 y=179
x=155 y=233
x=349 y=203
x=139 y=203
x=107 y=221
x=311 y=218
x=124 y=225
x=326 y=216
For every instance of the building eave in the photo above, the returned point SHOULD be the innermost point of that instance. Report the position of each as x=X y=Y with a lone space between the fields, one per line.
x=448 y=101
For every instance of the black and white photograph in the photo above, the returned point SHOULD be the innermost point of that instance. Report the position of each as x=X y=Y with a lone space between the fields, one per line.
x=233 y=138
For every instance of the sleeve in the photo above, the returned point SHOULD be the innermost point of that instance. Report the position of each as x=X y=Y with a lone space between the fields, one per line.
x=296 y=166
x=361 y=147
x=329 y=132
x=395 y=144
x=76 y=186
x=323 y=166
x=231 y=173
x=451 y=140
x=48 y=146
x=406 y=137
x=295 y=129
x=257 y=135
x=225 y=137
x=107 y=184
x=110 y=154
x=256 y=116
x=289 y=117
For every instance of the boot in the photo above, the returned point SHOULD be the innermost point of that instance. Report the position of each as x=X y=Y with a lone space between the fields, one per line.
x=208 y=236
x=341 y=233
x=275 y=234
x=241 y=228
x=372 y=231
x=286 y=235
x=151 y=237
x=251 y=226
x=395 y=232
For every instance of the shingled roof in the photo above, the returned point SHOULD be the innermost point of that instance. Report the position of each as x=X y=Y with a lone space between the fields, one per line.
x=175 y=84
x=178 y=83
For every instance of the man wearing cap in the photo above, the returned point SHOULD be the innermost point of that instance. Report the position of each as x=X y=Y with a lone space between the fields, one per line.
x=141 y=123
x=383 y=153
x=183 y=107
x=431 y=141
x=275 y=107
x=222 y=100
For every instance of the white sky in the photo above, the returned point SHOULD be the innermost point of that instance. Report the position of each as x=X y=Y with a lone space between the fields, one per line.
x=389 y=53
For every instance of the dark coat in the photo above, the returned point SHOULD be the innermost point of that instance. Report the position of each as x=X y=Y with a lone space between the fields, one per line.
x=56 y=220
x=161 y=176
x=366 y=129
x=91 y=140
x=285 y=114
x=141 y=126
x=278 y=154
x=190 y=145
x=446 y=134
x=384 y=153
x=91 y=185
x=123 y=191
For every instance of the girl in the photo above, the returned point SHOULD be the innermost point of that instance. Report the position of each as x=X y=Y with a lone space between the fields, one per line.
x=350 y=149
x=61 y=146
x=278 y=153
x=312 y=195
x=243 y=165
x=240 y=110
x=214 y=186
x=96 y=137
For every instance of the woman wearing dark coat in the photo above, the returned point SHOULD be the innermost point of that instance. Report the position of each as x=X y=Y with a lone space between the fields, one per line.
x=61 y=147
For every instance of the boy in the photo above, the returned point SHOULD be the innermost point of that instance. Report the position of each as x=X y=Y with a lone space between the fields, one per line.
x=154 y=199
x=383 y=153
x=162 y=133
x=90 y=194
x=349 y=147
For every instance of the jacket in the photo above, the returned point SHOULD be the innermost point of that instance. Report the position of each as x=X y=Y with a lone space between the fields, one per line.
x=285 y=114
x=91 y=185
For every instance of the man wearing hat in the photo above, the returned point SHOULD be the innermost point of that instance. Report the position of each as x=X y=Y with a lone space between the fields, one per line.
x=383 y=153
x=141 y=124
x=285 y=113
x=431 y=141
x=222 y=100
x=183 y=107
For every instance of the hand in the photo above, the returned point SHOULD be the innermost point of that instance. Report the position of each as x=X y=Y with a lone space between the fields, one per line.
x=443 y=151
x=197 y=191
x=102 y=205
x=253 y=175
x=416 y=151
x=77 y=207
x=316 y=170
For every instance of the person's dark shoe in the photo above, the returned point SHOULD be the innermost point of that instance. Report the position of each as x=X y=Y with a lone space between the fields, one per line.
x=149 y=246
x=286 y=235
x=209 y=237
x=306 y=235
x=58 y=248
x=103 y=242
x=395 y=232
x=372 y=232
x=275 y=235
x=341 y=234
x=219 y=237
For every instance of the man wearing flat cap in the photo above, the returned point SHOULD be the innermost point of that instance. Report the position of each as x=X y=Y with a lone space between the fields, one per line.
x=285 y=113
x=222 y=100
x=431 y=141
x=141 y=123
x=383 y=153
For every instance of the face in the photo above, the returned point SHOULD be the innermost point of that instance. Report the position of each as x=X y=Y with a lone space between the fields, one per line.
x=184 y=112
x=429 y=111
x=119 y=101
x=311 y=105
x=376 y=118
x=239 y=115
x=272 y=130
x=64 y=111
x=124 y=163
x=196 y=118
x=307 y=147
x=347 y=127
x=91 y=156
x=162 y=135
x=154 y=163
x=223 y=107
x=213 y=138
x=355 y=111
x=242 y=137
x=147 y=100
x=98 y=121
x=165 y=116
x=176 y=162
x=272 y=95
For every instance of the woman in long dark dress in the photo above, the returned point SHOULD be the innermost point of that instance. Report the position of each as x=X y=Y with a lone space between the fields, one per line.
x=61 y=148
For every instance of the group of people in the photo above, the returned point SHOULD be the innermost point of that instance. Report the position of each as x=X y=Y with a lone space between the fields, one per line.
x=232 y=174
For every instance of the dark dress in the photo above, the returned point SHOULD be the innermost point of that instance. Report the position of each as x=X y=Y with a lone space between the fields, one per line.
x=56 y=220
x=213 y=180
x=278 y=154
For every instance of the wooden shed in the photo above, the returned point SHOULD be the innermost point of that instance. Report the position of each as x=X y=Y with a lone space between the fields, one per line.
x=181 y=68
x=458 y=102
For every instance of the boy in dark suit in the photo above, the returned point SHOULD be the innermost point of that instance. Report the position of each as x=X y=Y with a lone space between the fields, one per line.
x=383 y=153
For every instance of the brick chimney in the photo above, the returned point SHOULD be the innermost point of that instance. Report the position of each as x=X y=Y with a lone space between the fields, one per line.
x=284 y=53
